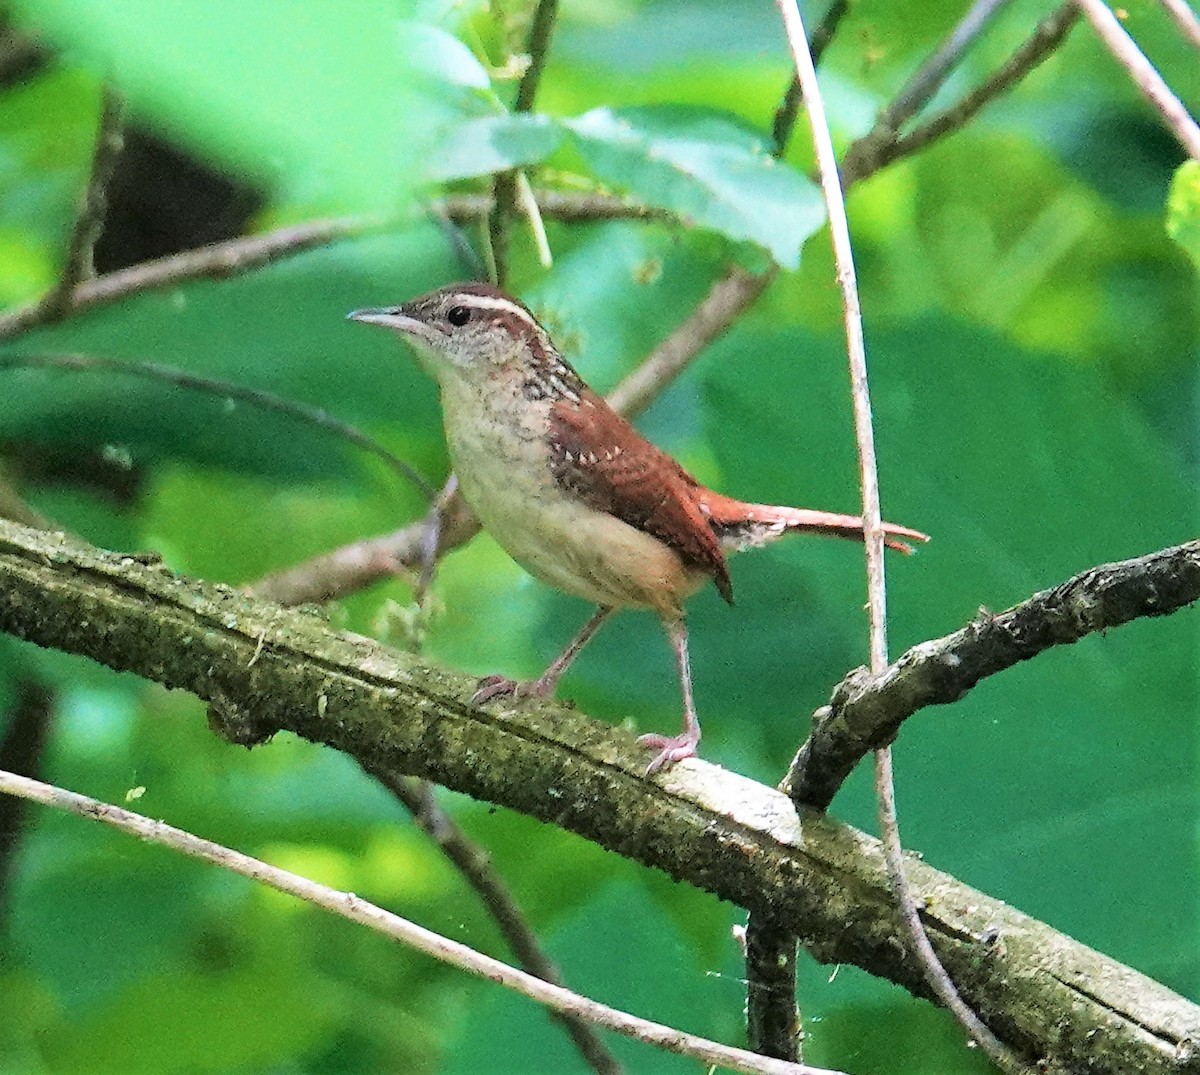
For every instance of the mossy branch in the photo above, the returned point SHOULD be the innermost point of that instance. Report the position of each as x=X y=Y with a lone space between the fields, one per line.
x=265 y=669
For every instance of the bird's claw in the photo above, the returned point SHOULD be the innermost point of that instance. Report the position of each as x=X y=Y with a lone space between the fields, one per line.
x=671 y=748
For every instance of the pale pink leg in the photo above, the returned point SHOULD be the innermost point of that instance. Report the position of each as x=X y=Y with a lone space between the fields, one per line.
x=542 y=687
x=675 y=748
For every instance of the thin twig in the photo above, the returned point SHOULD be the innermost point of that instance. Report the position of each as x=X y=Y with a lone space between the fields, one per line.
x=504 y=204
x=505 y=185
x=350 y=568
x=852 y=322
x=206 y=262
x=879 y=148
x=773 y=1020
x=784 y=121
x=1144 y=74
x=79 y=264
x=867 y=711
x=527 y=203
x=726 y=300
x=225 y=390
x=539 y=49
x=932 y=74
x=935 y=974
x=1185 y=19
x=220 y=260
x=473 y=864
x=354 y=909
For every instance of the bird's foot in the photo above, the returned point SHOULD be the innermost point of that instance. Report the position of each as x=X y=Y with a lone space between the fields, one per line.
x=671 y=748
x=502 y=687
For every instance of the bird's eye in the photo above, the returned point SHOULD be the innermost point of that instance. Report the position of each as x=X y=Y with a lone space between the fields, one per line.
x=458 y=315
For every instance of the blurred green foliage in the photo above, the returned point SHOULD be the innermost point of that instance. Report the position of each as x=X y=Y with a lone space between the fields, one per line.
x=1032 y=325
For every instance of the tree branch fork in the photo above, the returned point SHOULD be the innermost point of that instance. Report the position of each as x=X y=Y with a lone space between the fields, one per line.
x=264 y=669
x=866 y=712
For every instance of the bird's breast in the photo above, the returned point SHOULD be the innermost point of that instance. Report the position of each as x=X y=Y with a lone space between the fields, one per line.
x=500 y=452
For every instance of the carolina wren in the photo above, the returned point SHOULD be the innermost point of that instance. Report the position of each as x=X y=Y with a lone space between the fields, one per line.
x=572 y=491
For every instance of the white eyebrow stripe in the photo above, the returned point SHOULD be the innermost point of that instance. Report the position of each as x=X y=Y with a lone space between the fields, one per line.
x=486 y=302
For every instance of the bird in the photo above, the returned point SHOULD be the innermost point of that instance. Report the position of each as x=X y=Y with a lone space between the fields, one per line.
x=573 y=492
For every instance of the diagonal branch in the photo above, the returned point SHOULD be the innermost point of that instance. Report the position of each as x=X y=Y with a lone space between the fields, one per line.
x=213 y=262
x=355 y=909
x=1184 y=18
x=1144 y=74
x=506 y=186
x=473 y=864
x=246 y=253
x=866 y=711
x=882 y=146
x=79 y=265
x=266 y=669
x=932 y=74
x=822 y=37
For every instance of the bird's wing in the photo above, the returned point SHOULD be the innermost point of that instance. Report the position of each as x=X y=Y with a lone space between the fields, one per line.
x=599 y=457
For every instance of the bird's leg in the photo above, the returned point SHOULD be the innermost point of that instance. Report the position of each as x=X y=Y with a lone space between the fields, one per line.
x=675 y=748
x=542 y=687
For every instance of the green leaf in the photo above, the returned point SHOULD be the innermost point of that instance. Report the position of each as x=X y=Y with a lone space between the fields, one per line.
x=440 y=58
x=487 y=144
x=1183 y=209
x=473 y=133
x=706 y=167
x=320 y=102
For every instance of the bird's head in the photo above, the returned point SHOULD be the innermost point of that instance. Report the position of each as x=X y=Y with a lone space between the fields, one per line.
x=475 y=333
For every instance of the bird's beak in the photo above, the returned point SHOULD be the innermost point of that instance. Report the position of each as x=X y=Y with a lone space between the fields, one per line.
x=392 y=317
x=413 y=329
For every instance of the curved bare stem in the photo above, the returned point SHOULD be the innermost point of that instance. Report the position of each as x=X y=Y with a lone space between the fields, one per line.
x=257 y=397
x=206 y=262
x=935 y=973
x=932 y=74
